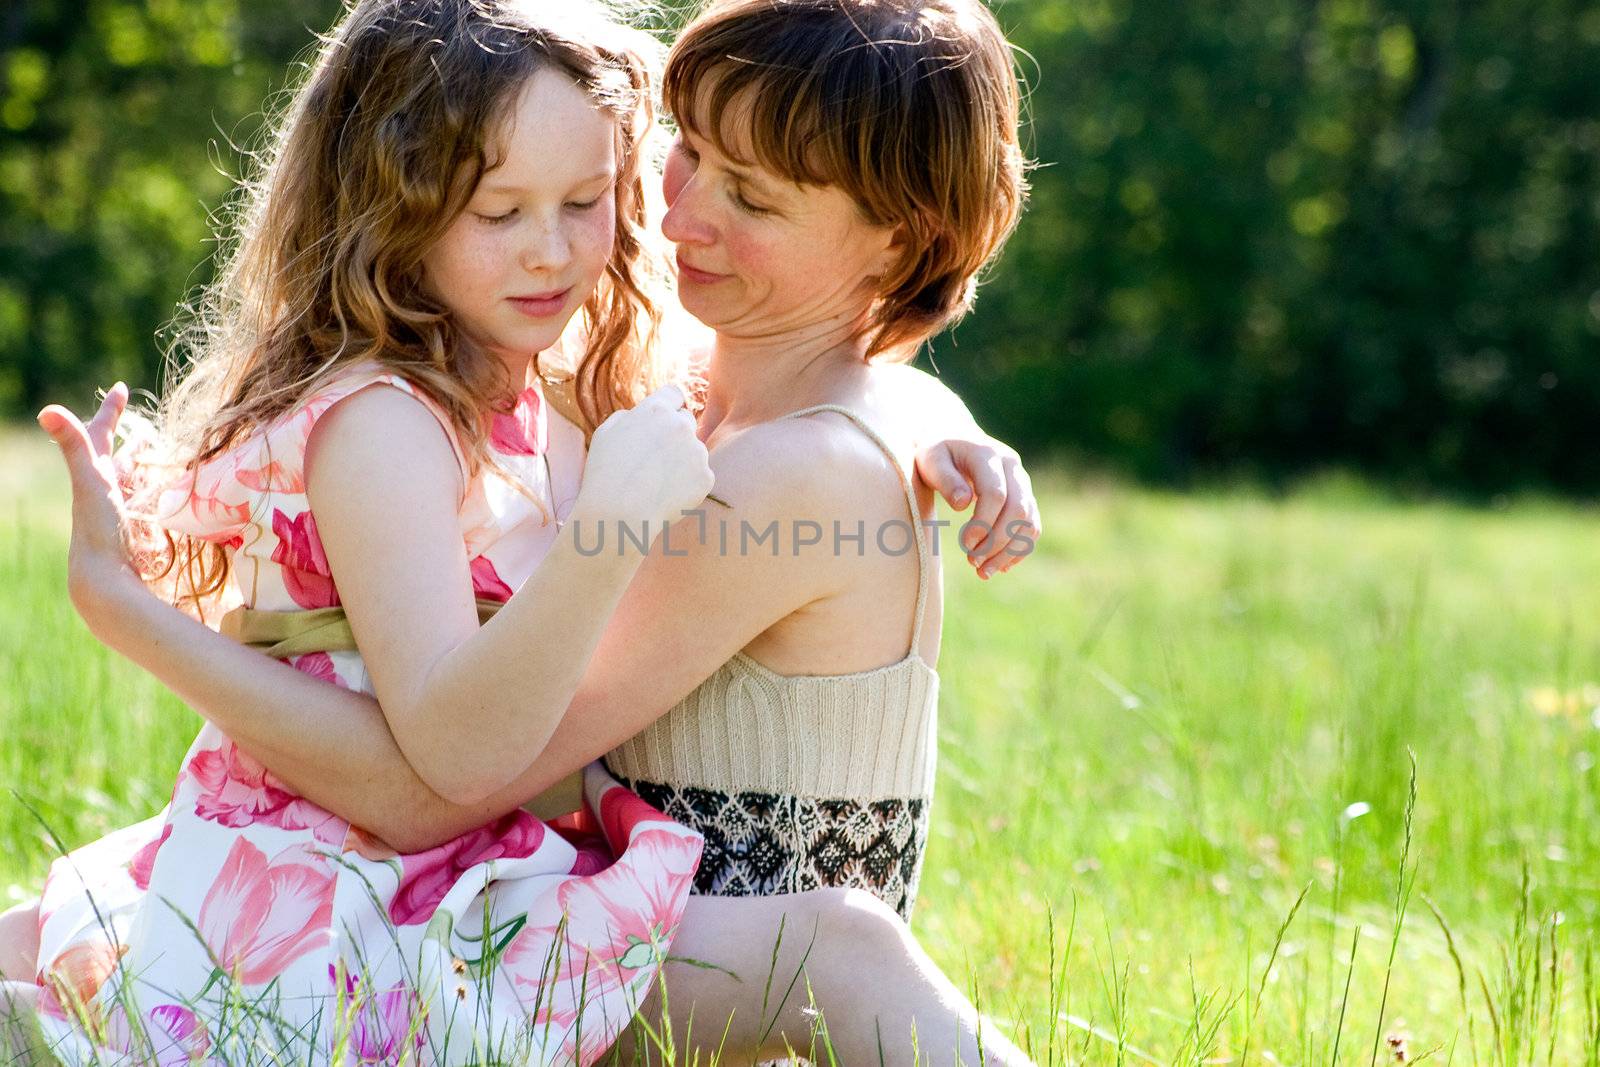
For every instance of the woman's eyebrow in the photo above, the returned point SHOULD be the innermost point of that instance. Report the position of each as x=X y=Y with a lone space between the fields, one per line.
x=751 y=177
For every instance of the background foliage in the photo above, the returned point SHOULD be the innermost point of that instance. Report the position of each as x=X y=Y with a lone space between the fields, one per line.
x=1266 y=235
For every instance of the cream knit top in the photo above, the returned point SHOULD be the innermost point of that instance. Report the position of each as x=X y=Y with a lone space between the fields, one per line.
x=802 y=764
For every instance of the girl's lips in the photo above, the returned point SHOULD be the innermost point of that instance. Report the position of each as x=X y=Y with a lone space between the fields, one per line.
x=700 y=277
x=542 y=305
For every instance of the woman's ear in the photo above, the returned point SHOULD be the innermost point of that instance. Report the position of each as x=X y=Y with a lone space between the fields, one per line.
x=893 y=255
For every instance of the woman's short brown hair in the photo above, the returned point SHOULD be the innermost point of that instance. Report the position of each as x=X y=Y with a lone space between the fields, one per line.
x=910 y=106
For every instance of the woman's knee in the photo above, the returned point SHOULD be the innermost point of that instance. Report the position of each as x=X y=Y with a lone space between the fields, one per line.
x=857 y=935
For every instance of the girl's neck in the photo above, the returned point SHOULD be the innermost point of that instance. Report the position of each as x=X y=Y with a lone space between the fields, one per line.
x=520 y=368
x=758 y=379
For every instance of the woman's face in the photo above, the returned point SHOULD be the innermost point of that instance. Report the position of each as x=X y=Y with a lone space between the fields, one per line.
x=758 y=255
x=534 y=239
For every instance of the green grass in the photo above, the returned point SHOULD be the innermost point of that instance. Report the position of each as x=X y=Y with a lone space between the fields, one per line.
x=1183 y=713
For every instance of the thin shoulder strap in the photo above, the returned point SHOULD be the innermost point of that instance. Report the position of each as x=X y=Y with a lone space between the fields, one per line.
x=923 y=567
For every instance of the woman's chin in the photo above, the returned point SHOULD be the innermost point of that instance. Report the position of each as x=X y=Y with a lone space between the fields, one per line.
x=703 y=310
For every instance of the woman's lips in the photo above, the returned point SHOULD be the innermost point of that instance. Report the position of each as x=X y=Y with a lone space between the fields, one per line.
x=541 y=305
x=699 y=277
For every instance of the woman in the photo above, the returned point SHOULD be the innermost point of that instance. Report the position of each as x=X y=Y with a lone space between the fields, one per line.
x=845 y=170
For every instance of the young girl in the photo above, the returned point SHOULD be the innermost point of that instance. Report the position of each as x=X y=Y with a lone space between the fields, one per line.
x=370 y=363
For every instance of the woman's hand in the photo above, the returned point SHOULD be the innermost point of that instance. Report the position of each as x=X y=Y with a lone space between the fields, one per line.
x=99 y=561
x=1005 y=524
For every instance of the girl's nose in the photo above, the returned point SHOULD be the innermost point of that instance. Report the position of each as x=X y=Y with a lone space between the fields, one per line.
x=544 y=248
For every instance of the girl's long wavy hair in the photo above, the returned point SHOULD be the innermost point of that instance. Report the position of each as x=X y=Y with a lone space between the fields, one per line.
x=379 y=150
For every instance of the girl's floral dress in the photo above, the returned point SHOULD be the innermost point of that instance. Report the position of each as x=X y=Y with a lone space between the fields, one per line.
x=245 y=916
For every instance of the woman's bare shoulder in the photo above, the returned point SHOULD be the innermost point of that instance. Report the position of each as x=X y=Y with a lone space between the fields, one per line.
x=818 y=466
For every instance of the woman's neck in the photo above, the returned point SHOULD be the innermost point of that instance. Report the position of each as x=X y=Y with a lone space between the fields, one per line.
x=758 y=379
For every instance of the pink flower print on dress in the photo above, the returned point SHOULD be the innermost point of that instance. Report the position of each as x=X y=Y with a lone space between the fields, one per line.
x=381 y=1023
x=617 y=925
x=592 y=856
x=238 y=791
x=427 y=876
x=487 y=583
x=186 y=1039
x=367 y=844
x=73 y=979
x=316 y=664
x=305 y=566
x=274 y=477
x=144 y=860
x=204 y=495
x=524 y=430
x=261 y=915
x=172 y=1036
x=622 y=814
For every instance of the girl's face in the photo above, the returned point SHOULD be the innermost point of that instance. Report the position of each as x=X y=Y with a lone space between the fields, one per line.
x=535 y=237
x=758 y=255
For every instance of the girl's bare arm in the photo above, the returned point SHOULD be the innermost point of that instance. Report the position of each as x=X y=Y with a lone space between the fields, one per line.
x=337 y=748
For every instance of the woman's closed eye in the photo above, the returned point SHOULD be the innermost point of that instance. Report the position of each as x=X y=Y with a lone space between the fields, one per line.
x=747 y=206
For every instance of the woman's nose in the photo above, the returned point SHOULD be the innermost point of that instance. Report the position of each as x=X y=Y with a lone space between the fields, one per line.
x=685 y=222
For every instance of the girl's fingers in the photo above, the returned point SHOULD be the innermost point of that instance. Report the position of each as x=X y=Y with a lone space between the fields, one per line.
x=103 y=427
x=72 y=438
x=939 y=472
x=1014 y=532
x=989 y=481
x=670 y=396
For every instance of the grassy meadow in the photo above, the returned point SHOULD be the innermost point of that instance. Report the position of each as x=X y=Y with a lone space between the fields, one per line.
x=1174 y=819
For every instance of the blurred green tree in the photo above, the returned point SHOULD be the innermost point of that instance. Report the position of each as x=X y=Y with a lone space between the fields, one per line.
x=1279 y=235
x=118 y=127
x=1266 y=235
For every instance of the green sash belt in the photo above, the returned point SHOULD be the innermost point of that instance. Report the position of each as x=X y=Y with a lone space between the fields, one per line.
x=281 y=634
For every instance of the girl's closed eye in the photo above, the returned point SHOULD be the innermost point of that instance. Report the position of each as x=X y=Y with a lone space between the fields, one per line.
x=493 y=219
x=590 y=203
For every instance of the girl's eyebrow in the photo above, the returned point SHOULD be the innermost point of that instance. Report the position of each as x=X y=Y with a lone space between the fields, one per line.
x=492 y=186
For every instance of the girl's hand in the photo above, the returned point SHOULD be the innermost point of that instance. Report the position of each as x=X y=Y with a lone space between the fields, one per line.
x=1005 y=525
x=99 y=563
x=645 y=463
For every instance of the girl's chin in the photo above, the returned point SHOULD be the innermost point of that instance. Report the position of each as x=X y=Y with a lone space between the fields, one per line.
x=524 y=344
